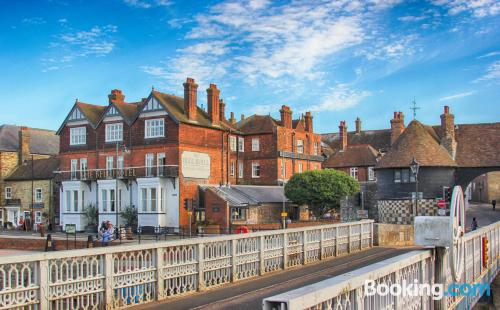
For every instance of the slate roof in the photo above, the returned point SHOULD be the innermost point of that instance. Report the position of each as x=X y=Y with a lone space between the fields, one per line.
x=354 y=156
x=44 y=142
x=248 y=195
x=43 y=169
x=419 y=141
x=378 y=139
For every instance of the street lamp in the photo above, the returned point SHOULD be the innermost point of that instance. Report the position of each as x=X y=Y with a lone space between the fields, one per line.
x=124 y=151
x=414 y=166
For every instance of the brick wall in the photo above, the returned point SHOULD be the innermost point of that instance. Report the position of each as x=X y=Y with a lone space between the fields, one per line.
x=22 y=190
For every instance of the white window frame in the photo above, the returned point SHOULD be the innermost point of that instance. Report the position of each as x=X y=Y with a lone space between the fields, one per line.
x=8 y=192
x=315 y=148
x=38 y=217
x=254 y=166
x=38 y=194
x=371 y=174
x=83 y=168
x=283 y=168
x=300 y=146
x=160 y=167
x=110 y=162
x=255 y=145
x=114 y=132
x=154 y=128
x=104 y=200
x=74 y=169
x=231 y=168
x=120 y=162
x=301 y=168
x=353 y=172
x=232 y=143
x=78 y=135
x=240 y=170
x=241 y=144
x=149 y=163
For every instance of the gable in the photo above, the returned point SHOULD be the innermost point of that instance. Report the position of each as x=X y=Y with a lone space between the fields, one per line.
x=112 y=111
x=152 y=105
x=76 y=115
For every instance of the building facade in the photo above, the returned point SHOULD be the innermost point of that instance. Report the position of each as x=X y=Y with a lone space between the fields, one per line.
x=154 y=154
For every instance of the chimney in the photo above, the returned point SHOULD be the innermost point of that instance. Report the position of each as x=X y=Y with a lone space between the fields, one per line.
x=116 y=96
x=448 y=140
x=222 y=110
x=358 y=125
x=24 y=144
x=309 y=122
x=190 y=91
x=397 y=126
x=242 y=117
x=232 y=119
x=286 y=116
x=213 y=103
x=343 y=135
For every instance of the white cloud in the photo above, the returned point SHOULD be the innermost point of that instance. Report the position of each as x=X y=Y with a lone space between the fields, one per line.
x=146 y=4
x=457 y=96
x=409 y=18
x=339 y=98
x=33 y=21
x=492 y=73
x=478 y=8
x=489 y=55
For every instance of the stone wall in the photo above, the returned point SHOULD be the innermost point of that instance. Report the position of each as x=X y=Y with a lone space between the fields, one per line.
x=400 y=211
x=367 y=201
x=22 y=190
x=393 y=235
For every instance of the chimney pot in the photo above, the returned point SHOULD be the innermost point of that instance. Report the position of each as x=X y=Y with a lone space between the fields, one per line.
x=232 y=119
x=309 y=122
x=24 y=144
x=397 y=126
x=116 y=96
x=343 y=135
x=242 y=117
x=213 y=103
x=358 y=125
x=446 y=109
x=190 y=94
x=286 y=116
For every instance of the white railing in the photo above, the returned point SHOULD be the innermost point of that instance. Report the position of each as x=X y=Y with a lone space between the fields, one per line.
x=347 y=291
x=121 y=276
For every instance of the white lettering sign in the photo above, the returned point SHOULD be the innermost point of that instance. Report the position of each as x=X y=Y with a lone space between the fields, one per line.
x=195 y=165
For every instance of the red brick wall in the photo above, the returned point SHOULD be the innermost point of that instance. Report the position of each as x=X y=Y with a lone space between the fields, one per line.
x=362 y=173
x=220 y=217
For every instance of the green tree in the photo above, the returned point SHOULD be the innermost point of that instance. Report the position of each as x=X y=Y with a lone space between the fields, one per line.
x=321 y=190
x=129 y=214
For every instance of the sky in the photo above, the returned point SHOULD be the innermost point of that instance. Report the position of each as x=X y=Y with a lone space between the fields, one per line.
x=338 y=59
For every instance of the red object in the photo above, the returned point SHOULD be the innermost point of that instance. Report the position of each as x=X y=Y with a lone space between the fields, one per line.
x=441 y=203
x=485 y=249
x=242 y=230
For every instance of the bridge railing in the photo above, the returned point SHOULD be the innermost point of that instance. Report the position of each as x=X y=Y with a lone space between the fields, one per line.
x=121 y=276
x=348 y=290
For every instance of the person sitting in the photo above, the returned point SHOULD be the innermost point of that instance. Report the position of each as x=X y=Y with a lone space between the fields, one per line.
x=108 y=234
x=474 y=225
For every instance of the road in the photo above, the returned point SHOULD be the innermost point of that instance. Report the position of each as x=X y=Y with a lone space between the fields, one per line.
x=483 y=213
x=248 y=294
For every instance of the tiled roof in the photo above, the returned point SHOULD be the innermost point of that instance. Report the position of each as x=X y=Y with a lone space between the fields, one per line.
x=128 y=110
x=353 y=156
x=43 y=169
x=245 y=195
x=478 y=145
x=42 y=141
x=417 y=141
x=91 y=111
x=257 y=124
x=378 y=139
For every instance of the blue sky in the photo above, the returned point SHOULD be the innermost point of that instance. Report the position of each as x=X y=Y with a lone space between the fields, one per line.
x=340 y=59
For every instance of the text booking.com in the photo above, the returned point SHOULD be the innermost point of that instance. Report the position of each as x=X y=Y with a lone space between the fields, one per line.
x=436 y=291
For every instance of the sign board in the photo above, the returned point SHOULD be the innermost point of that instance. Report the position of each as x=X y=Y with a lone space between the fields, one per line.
x=284 y=214
x=70 y=228
x=195 y=165
x=441 y=212
x=441 y=203
x=362 y=214
x=420 y=195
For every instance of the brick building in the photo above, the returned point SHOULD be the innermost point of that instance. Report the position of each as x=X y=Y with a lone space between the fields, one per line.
x=153 y=154
x=18 y=147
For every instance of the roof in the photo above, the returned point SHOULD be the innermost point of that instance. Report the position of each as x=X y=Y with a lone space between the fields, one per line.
x=478 y=145
x=353 y=156
x=378 y=139
x=257 y=124
x=44 y=142
x=91 y=111
x=128 y=110
x=417 y=141
x=245 y=195
x=43 y=169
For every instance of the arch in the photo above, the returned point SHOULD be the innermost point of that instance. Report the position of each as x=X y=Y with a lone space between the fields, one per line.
x=466 y=175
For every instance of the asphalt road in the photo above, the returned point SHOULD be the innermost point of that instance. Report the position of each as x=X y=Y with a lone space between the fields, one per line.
x=248 y=294
x=483 y=213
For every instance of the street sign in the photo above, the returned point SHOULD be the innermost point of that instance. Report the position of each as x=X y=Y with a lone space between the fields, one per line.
x=70 y=229
x=441 y=203
x=284 y=214
x=441 y=212
x=362 y=214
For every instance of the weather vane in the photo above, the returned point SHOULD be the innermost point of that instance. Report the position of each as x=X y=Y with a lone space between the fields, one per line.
x=414 y=107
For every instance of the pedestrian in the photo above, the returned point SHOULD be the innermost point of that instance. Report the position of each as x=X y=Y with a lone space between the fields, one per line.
x=494 y=204
x=474 y=225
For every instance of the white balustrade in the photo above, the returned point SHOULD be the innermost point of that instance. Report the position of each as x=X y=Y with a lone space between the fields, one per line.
x=122 y=276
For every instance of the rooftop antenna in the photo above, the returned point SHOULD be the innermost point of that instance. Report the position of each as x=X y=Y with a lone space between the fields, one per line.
x=414 y=107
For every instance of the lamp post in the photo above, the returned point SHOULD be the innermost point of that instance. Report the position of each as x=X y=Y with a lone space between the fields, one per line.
x=124 y=150
x=414 y=166
x=283 y=174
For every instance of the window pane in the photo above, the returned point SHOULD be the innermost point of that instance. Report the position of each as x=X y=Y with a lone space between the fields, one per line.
x=397 y=176
x=405 y=176
x=144 y=194
x=112 y=200
x=104 y=199
x=153 y=199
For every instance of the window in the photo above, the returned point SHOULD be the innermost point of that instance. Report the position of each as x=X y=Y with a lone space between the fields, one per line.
x=152 y=105
x=109 y=165
x=241 y=144
x=120 y=199
x=38 y=195
x=238 y=214
x=153 y=199
x=154 y=128
x=283 y=168
x=255 y=170
x=77 y=114
x=231 y=170
x=83 y=199
x=371 y=174
x=300 y=168
x=240 y=170
x=403 y=176
x=78 y=135
x=104 y=199
x=114 y=132
x=397 y=176
x=162 y=199
x=74 y=168
x=255 y=144
x=8 y=193
x=315 y=148
x=83 y=168
x=112 y=200
x=149 y=164
x=232 y=143
x=68 y=201
x=38 y=217
x=160 y=159
x=354 y=172
x=300 y=146
x=144 y=195
x=75 y=201
x=120 y=164
x=149 y=199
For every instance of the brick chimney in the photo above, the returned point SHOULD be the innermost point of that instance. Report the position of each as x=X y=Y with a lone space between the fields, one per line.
x=213 y=104
x=309 y=122
x=190 y=92
x=397 y=126
x=222 y=110
x=448 y=140
x=343 y=135
x=358 y=125
x=232 y=119
x=116 y=96
x=24 y=144
x=242 y=117
x=286 y=116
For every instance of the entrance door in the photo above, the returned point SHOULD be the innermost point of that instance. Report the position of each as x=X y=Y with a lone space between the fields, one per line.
x=13 y=216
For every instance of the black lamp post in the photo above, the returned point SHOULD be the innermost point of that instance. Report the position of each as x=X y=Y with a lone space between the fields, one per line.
x=414 y=166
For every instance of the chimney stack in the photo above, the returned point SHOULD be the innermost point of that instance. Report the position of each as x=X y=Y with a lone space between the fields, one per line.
x=448 y=140
x=309 y=122
x=397 y=126
x=242 y=117
x=343 y=135
x=24 y=144
x=286 y=116
x=358 y=125
x=116 y=96
x=213 y=104
x=232 y=120
x=222 y=110
x=190 y=92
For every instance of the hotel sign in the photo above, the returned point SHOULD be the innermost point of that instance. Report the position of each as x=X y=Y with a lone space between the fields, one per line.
x=103 y=174
x=195 y=165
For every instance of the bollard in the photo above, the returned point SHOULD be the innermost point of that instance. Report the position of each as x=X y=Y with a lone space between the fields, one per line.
x=90 y=242
x=49 y=244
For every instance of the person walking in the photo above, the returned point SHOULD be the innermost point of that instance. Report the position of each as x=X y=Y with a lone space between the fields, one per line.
x=494 y=204
x=474 y=225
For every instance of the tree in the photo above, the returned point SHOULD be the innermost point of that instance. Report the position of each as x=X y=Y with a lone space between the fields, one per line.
x=129 y=214
x=321 y=190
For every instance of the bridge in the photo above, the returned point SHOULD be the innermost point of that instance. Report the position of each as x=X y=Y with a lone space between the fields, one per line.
x=315 y=267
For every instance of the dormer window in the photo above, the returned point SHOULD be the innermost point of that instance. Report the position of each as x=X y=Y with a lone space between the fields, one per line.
x=78 y=136
x=114 y=132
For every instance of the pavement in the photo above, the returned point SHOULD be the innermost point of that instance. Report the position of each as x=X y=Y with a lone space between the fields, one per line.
x=248 y=294
x=483 y=213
